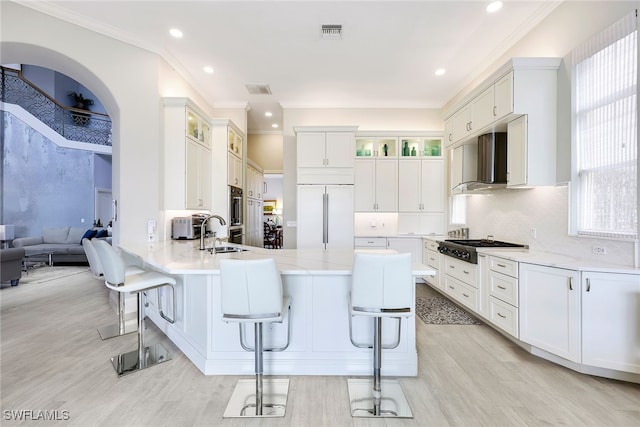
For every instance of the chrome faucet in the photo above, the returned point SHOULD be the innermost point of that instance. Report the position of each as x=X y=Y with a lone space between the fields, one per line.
x=203 y=228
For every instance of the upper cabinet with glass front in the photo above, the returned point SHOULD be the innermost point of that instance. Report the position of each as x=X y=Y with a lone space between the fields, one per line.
x=198 y=129
x=376 y=147
x=420 y=147
x=235 y=143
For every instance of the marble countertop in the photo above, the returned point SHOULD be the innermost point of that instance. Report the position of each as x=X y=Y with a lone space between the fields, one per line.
x=184 y=257
x=557 y=260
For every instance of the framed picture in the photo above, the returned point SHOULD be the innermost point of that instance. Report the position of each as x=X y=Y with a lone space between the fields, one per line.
x=269 y=207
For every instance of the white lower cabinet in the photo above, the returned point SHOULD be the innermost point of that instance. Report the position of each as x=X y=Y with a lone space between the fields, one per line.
x=432 y=258
x=412 y=245
x=549 y=305
x=460 y=281
x=500 y=285
x=461 y=292
x=611 y=321
x=254 y=224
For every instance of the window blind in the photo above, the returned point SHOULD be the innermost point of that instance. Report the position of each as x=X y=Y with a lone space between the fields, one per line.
x=605 y=130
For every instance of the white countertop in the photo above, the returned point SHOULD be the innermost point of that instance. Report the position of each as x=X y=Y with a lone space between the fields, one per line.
x=557 y=260
x=184 y=257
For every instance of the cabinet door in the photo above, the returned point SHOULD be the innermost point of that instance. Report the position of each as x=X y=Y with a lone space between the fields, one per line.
x=340 y=216
x=310 y=219
x=235 y=171
x=432 y=187
x=311 y=149
x=204 y=177
x=192 y=200
x=610 y=321
x=409 y=185
x=386 y=189
x=504 y=96
x=364 y=185
x=549 y=301
x=412 y=245
x=461 y=122
x=339 y=149
x=448 y=132
x=456 y=166
x=482 y=110
x=517 y=152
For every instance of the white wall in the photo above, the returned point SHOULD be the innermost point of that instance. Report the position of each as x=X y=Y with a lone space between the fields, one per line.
x=266 y=150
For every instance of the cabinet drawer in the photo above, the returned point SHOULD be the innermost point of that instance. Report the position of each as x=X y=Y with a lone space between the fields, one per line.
x=461 y=292
x=461 y=270
x=504 y=316
x=433 y=259
x=504 y=266
x=431 y=245
x=370 y=242
x=433 y=280
x=503 y=287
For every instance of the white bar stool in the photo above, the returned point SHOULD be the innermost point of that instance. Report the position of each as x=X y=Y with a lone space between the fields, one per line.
x=95 y=265
x=115 y=279
x=382 y=287
x=251 y=292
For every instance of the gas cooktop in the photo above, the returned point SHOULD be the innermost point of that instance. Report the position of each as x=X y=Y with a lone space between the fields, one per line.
x=466 y=249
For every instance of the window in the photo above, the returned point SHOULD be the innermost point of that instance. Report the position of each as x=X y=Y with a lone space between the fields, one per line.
x=458 y=209
x=605 y=133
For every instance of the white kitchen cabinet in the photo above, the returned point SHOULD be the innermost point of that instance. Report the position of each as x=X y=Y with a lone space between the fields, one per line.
x=325 y=155
x=255 y=183
x=549 y=305
x=376 y=147
x=376 y=185
x=521 y=86
x=198 y=181
x=412 y=147
x=235 y=143
x=421 y=223
x=528 y=164
x=464 y=166
x=432 y=258
x=253 y=224
x=611 y=321
x=187 y=156
x=502 y=287
x=421 y=185
x=412 y=245
x=235 y=169
x=448 y=132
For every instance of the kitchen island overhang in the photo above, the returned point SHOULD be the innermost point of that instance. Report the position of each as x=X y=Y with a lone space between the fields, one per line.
x=318 y=283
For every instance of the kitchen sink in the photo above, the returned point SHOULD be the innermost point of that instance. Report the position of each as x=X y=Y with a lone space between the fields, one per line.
x=226 y=249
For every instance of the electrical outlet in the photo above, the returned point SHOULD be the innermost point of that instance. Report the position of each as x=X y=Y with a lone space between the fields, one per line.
x=600 y=250
x=532 y=232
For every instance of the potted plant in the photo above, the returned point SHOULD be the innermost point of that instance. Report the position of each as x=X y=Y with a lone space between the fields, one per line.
x=81 y=103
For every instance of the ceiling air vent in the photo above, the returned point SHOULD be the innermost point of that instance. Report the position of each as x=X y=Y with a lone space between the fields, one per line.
x=331 y=32
x=259 y=89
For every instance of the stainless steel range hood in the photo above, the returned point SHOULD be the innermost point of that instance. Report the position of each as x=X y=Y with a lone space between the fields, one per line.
x=486 y=168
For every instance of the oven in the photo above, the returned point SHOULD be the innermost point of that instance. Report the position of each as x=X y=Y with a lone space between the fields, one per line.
x=235 y=235
x=466 y=249
x=235 y=206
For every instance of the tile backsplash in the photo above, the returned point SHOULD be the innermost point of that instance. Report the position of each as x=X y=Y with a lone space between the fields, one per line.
x=511 y=214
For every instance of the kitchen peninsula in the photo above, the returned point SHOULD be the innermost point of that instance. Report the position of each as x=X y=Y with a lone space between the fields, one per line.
x=318 y=283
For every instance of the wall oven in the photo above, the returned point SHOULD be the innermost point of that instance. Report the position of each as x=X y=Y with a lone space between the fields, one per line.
x=235 y=206
x=235 y=235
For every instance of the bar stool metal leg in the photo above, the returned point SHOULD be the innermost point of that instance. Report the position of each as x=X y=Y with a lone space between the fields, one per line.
x=116 y=330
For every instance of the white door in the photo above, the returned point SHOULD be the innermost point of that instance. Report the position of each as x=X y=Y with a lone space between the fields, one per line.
x=103 y=205
x=386 y=185
x=517 y=152
x=340 y=149
x=365 y=185
x=311 y=149
x=409 y=185
x=432 y=187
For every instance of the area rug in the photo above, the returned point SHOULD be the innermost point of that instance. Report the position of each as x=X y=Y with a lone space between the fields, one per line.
x=440 y=311
x=44 y=273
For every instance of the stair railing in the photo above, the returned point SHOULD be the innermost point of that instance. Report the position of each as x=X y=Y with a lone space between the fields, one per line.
x=72 y=123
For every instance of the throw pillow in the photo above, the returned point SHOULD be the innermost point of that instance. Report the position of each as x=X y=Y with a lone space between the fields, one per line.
x=101 y=234
x=89 y=234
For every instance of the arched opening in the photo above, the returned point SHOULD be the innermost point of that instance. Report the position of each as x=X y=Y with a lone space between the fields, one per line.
x=22 y=53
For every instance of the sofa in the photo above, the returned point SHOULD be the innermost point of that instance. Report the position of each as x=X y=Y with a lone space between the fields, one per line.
x=63 y=244
x=11 y=265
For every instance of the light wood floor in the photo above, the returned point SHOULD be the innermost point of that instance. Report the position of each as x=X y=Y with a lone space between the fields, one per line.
x=53 y=359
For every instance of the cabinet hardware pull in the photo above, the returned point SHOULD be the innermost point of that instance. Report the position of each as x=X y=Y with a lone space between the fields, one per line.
x=433 y=259
x=501 y=265
x=451 y=266
x=465 y=271
x=501 y=315
x=465 y=295
x=501 y=287
x=495 y=110
x=588 y=284
x=450 y=136
x=451 y=287
x=570 y=283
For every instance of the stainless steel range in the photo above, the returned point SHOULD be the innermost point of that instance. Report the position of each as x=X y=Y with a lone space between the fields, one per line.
x=466 y=249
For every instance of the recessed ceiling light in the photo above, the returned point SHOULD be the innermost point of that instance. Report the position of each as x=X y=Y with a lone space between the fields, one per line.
x=268 y=114
x=208 y=69
x=494 y=6
x=175 y=33
x=275 y=125
x=440 y=72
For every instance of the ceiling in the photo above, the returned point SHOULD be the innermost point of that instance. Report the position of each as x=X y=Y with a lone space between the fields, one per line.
x=386 y=58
